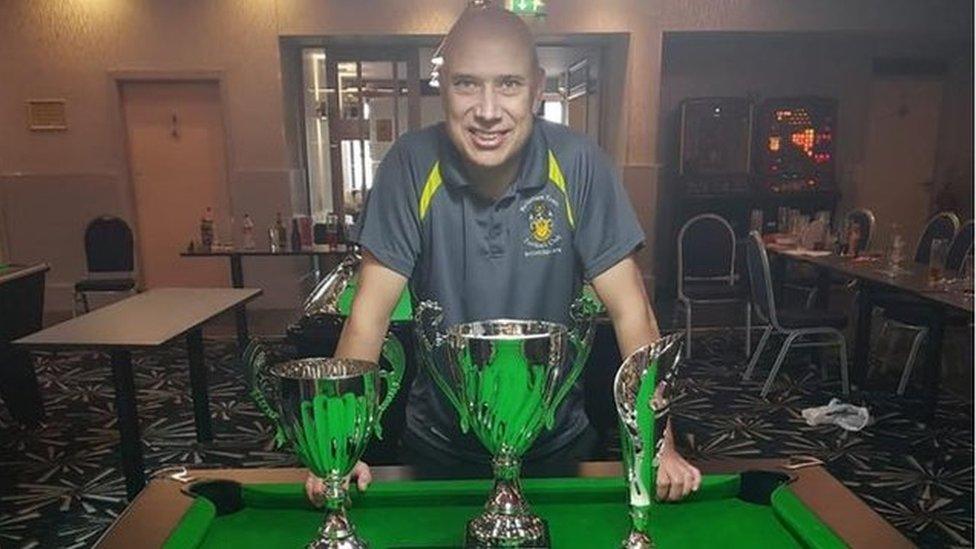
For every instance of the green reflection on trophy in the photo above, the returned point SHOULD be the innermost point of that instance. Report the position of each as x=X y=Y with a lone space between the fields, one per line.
x=506 y=379
x=641 y=391
x=327 y=409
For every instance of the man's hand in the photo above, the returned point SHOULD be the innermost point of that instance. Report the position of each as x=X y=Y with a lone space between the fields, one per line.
x=676 y=478
x=315 y=487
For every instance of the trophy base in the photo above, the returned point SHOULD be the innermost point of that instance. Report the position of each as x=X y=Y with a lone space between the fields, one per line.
x=337 y=533
x=638 y=540
x=500 y=530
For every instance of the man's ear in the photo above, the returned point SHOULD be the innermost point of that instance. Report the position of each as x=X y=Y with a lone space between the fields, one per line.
x=540 y=88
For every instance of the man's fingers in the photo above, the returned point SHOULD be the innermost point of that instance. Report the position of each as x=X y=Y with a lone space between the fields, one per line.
x=314 y=490
x=663 y=484
x=697 y=477
x=677 y=485
x=363 y=475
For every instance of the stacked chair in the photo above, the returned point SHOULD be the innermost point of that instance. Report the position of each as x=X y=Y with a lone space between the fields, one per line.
x=706 y=270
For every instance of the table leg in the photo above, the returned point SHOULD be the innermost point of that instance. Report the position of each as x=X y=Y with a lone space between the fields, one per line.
x=19 y=388
x=862 y=336
x=823 y=288
x=240 y=312
x=198 y=385
x=777 y=269
x=933 y=361
x=125 y=406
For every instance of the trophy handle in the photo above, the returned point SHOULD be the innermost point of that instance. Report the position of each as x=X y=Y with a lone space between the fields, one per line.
x=428 y=317
x=394 y=354
x=583 y=312
x=256 y=365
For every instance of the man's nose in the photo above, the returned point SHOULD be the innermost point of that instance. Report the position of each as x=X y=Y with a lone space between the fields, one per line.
x=487 y=109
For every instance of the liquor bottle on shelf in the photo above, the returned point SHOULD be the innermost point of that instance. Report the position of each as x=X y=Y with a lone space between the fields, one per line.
x=296 y=237
x=282 y=233
x=207 y=229
x=248 y=233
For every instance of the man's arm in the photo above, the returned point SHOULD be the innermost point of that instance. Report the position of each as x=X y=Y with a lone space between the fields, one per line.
x=621 y=289
x=378 y=290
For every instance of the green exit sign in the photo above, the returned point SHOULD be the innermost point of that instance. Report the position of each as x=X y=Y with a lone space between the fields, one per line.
x=527 y=7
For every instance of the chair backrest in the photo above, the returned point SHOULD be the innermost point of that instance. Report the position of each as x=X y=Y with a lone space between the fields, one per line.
x=961 y=246
x=760 y=279
x=943 y=225
x=108 y=245
x=706 y=251
x=865 y=219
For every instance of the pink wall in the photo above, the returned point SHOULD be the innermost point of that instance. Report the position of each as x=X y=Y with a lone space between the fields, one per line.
x=69 y=49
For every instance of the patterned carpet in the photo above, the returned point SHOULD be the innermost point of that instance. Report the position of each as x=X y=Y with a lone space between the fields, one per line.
x=60 y=485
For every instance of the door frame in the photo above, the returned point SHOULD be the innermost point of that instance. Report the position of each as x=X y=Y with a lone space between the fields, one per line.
x=341 y=54
x=125 y=190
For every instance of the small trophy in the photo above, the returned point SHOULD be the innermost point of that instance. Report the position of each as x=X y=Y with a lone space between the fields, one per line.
x=641 y=390
x=506 y=379
x=327 y=409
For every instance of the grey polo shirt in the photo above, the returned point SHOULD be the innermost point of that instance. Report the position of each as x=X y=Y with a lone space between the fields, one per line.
x=565 y=219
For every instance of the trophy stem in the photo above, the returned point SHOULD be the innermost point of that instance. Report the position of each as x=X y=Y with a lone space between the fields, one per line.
x=507 y=520
x=639 y=538
x=336 y=531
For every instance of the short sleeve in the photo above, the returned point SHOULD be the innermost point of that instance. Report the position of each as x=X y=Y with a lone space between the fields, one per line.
x=607 y=229
x=389 y=225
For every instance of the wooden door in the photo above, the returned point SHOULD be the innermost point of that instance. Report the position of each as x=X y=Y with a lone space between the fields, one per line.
x=899 y=157
x=175 y=146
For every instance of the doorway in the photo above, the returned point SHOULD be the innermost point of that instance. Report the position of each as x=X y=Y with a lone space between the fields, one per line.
x=175 y=145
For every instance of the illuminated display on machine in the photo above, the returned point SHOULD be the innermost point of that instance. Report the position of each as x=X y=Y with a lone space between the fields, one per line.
x=798 y=151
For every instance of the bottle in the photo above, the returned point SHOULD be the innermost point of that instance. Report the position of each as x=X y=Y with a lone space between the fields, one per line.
x=207 y=229
x=853 y=239
x=282 y=233
x=248 y=233
x=296 y=237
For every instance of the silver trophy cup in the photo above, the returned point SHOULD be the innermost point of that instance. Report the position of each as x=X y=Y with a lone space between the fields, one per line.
x=641 y=391
x=506 y=379
x=327 y=409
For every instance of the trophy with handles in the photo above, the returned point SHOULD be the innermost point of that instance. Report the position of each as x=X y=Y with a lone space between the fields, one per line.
x=506 y=379
x=326 y=409
x=641 y=391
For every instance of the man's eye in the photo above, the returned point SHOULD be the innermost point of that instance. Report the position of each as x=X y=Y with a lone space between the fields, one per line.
x=464 y=84
x=511 y=84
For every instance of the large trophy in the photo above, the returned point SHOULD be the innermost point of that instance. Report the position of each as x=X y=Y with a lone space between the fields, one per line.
x=641 y=390
x=327 y=409
x=506 y=379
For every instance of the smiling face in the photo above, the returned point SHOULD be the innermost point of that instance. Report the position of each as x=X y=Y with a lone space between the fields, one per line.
x=491 y=84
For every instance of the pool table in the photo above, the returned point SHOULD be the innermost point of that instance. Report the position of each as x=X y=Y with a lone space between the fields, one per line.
x=734 y=508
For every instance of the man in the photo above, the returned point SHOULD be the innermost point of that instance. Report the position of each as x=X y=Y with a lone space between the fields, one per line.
x=495 y=214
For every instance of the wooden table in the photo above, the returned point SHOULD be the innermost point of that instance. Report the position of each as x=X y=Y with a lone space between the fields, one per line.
x=874 y=279
x=21 y=312
x=149 y=520
x=237 y=272
x=145 y=321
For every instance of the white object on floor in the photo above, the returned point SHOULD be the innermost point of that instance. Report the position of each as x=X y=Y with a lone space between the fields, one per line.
x=846 y=416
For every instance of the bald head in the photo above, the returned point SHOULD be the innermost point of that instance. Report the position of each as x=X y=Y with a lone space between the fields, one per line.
x=480 y=26
x=491 y=85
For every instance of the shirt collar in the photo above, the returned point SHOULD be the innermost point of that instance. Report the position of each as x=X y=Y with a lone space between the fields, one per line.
x=533 y=172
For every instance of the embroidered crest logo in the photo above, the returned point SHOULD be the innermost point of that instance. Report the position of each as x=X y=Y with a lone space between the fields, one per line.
x=540 y=222
x=542 y=238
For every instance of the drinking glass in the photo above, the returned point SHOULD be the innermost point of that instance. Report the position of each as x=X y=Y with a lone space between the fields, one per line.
x=937 y=258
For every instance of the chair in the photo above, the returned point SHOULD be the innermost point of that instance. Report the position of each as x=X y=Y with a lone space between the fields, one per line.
x=796 y=324
x=866 y=220
x=706 y=269
x=108 y=252
x=908 y=313
x=961 y=246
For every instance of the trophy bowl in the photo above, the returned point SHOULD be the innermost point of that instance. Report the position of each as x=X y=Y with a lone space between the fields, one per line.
x=641 y=391
x=327 y=409
x=506 y=379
